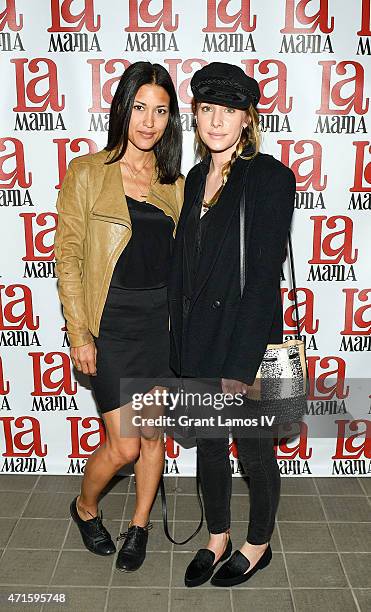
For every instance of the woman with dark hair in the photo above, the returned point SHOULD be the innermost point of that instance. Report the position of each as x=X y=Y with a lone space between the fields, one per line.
x=118 y=212
x=217 y=334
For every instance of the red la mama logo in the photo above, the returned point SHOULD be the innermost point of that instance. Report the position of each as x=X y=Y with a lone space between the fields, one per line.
x=53 y=387
x=103 y=86
x=39 y=230
x=323 y=251
x=328 y=391
x=24 y=450
x=172 y=453
x=307 y=324
x=10 y=316
x=86 y=435
x=22 y=442
x=365 y=19
x=302 y=20
x=181 y=72
x=304 y=157
x=364 y=47
x=141 y=19
x=10 y=22
x=331 y=92
x=328 y=232
x=357 y=320
x=226 y=30
x=361 y=188
x=326 y=380
x=149 y=29
x=4 y=388
x=30 y=101
x=277 y=99
x=4 y=384
x=313 y=158
x=13 y=175
x=297 y=19
x=18 y=324
x=172 y=448
x=12 y=165
x=55 y=379
x=293 y=452
x=338 y=107
x=9 y=18
x=353 y=448
x=221 y=19
x=274 y=100
x=354 y=323
x=67 y=17
x=77 y=146
x=179 y=69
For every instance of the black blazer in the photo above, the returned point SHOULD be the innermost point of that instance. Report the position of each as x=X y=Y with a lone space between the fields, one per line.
x=216 y=333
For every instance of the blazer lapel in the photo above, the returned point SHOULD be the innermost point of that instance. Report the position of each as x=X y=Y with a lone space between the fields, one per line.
x=225 y=208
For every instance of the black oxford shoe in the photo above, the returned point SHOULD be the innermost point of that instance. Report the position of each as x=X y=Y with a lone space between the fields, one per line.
x=234 y=571
x=133 y=551
x=202 y=566
x=94 y=535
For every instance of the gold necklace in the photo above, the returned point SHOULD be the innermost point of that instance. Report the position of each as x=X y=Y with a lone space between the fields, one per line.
x=142 y=195
x=208 y=205
x=134 y=175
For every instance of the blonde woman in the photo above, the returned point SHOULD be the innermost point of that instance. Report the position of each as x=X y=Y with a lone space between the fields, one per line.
x=216 y=334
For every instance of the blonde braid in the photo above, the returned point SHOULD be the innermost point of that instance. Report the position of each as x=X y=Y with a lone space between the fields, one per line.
x=226 y=169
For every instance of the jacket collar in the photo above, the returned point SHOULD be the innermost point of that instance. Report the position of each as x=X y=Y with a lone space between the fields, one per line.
x=111 y=205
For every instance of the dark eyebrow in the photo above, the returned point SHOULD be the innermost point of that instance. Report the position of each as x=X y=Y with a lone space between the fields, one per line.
x=144 y=104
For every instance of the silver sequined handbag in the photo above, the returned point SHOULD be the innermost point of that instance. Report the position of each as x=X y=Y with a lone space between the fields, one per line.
x=280 y=386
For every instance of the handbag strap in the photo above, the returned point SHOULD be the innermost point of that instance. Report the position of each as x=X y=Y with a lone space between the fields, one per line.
x=243 y=259
x=164 y=509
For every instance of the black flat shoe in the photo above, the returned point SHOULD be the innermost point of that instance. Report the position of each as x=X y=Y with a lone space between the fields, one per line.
x=202 y=566
x=94 y=535
x=233 y=571
x=133 y=551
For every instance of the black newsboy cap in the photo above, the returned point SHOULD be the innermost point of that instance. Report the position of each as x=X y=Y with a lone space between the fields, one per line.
x=225 y=84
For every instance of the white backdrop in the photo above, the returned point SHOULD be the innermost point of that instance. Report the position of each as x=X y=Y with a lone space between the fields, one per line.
x=60 y=62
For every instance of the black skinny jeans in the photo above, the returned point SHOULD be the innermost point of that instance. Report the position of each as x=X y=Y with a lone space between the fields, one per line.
x=259 y=464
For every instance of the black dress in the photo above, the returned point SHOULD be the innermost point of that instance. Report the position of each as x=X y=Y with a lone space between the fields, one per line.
x=133 y=342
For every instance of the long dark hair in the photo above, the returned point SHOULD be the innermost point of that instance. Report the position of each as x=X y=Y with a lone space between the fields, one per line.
x=168 y=150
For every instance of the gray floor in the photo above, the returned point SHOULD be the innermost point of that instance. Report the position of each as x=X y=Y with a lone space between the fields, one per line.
x=321 y=549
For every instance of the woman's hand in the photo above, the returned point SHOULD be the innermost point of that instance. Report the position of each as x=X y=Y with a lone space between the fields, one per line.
x=229 y=385
x=84 y=358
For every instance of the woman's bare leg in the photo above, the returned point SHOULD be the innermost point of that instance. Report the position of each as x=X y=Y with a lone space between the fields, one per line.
x=103 y=464
x=150 y=464
x=148 y=471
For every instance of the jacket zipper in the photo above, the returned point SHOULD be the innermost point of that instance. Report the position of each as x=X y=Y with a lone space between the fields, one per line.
x=110 y=218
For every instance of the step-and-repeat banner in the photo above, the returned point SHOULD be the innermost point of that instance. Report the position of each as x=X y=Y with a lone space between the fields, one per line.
x=60 y=63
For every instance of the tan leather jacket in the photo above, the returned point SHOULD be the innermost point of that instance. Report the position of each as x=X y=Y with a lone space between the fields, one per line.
x=94 y=228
